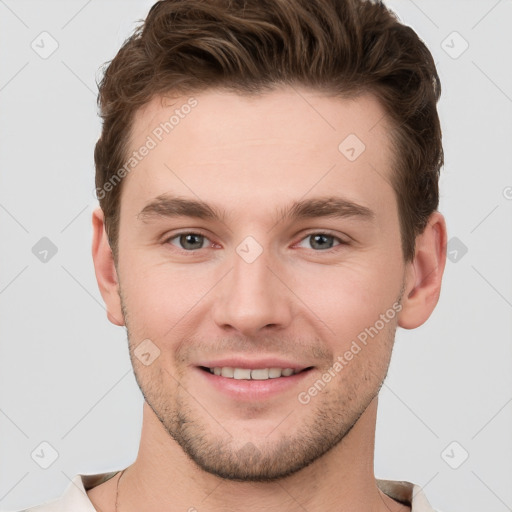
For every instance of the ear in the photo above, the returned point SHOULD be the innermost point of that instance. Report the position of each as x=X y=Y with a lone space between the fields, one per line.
x=105 y=270
x=424 y=274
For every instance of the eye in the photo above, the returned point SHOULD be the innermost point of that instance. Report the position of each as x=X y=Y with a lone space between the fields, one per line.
x=191 y=241
x=323 y=241
x=188 y=241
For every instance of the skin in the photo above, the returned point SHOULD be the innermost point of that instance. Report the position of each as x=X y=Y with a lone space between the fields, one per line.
x=251 y=156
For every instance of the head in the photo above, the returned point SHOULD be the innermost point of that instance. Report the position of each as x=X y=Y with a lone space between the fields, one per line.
x=268 y=182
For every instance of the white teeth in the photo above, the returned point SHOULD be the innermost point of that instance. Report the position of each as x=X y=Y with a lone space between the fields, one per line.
x=241 y=373
x=274 y=372
x=227 y=372
x=256 y=374
x=260 y=374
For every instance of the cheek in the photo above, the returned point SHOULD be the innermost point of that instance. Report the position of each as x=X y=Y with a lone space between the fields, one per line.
x=346 y=297
x=349 y=297
x=160 y=297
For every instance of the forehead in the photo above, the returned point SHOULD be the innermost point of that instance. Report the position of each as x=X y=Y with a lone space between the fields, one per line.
x=258 y=151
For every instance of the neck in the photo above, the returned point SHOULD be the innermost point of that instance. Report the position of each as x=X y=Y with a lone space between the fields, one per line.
x=342 y=479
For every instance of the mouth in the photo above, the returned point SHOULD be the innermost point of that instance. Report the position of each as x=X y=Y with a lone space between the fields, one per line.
x=230 y=372
x=252 y=380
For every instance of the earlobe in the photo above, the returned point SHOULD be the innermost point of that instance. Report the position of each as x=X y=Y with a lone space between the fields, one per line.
x=424 y=274
x=105 y=270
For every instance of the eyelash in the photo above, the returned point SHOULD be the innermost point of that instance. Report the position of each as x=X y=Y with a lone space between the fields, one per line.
x=323 y=233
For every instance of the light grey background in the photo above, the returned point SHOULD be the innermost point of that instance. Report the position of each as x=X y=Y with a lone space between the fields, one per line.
x=65 y=375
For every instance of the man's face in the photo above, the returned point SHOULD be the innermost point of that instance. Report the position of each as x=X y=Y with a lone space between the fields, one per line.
x=259 y=288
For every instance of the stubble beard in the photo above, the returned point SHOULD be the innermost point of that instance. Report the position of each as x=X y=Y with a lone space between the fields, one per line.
x=330 y=418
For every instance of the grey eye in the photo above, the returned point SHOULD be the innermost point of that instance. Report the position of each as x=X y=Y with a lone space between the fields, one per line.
x=189 y=241
x=322 y=241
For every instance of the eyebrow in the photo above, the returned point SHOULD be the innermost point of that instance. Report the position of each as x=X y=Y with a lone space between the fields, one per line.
x=169 y=206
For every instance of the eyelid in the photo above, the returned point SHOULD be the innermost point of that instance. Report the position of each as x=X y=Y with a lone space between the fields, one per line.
x=326 y=232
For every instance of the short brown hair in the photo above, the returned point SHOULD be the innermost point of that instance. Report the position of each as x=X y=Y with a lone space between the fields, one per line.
x=344 y=47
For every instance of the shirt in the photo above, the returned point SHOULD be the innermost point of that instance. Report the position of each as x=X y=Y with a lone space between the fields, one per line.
x=75 y=498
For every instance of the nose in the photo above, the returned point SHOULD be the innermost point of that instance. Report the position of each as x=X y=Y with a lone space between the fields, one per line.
x=253 y=297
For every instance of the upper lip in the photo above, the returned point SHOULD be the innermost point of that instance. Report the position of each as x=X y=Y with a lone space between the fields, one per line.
x=254 y=364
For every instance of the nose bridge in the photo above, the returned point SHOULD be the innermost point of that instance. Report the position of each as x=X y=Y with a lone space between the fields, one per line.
x=252 y=297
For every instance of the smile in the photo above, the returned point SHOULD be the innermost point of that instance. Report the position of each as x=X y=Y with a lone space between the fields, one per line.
x=251 y=374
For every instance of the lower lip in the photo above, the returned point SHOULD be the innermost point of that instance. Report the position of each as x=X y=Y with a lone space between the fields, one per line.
x=252 y=390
